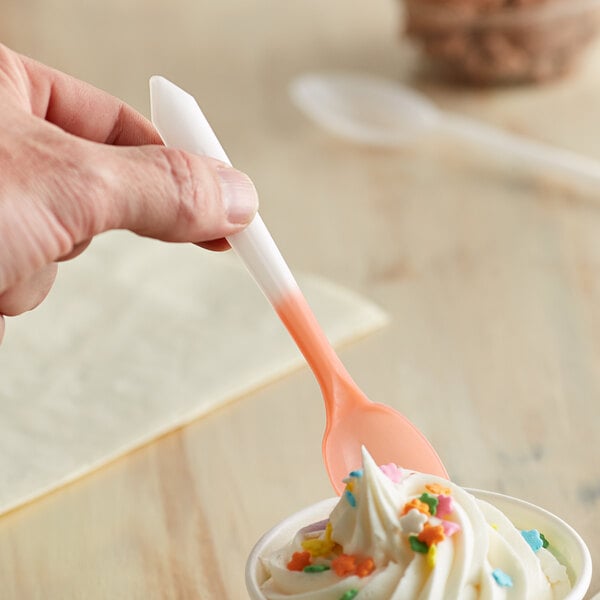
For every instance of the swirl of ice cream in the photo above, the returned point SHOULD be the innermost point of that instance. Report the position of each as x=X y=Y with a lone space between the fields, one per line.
x=409 y=536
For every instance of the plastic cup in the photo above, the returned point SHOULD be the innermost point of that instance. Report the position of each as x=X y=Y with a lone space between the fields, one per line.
x=572 y=551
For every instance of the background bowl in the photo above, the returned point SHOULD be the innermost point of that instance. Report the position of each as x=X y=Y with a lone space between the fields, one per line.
x=484 y=42
x=574 y=554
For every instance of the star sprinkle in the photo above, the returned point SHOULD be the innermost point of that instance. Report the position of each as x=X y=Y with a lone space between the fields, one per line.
x=417 y=545
x=344 y=564
x=431 y=501
x=392 y=472
x=365 y=567
x=502 y=579
x=533 y=538
x=413 y=521
x=445 y=505
x=450 y=528
x=432 y=535
x=438 y=488
x=416 y=504
x=299 y=561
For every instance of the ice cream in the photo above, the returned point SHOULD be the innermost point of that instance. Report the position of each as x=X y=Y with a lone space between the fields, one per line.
x=396 y=535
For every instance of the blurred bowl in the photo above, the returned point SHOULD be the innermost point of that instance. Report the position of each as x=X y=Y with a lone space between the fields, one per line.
x=491 y=42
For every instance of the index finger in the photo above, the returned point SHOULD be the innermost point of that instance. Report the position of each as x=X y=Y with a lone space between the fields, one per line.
x=84 y=110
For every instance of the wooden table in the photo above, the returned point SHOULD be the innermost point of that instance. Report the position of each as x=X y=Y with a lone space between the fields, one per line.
x=491 y=275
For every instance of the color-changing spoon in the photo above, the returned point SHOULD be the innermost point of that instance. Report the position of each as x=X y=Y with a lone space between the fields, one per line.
x=352 y=419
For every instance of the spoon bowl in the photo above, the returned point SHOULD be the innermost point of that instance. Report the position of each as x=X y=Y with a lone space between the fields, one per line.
x=352 y=420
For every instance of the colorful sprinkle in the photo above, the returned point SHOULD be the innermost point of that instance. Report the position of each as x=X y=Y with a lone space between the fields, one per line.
x=445 y=505
x=431 y=501
x=413 y=521
x=344 y=564
x=349 y=595
x=533 y=538
x=351 y=498
x=316 y=568
x=358 y=473
x=431 y=556
x=502 y=579
x=417 y=545
x=450 y=528
x=318 y=547
x=545 y=542
x=365 y=567
x=437 y=488
x=393 y=472
x=416 y=504
x=432 y=535
x=299 y=561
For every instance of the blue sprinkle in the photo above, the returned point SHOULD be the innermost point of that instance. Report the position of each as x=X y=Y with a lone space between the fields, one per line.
x=357 y=473
x=350 y=497
x=534 y=539
x=502 y=579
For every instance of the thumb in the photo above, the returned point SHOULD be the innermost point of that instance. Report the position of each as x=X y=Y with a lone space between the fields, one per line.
x=156 y=192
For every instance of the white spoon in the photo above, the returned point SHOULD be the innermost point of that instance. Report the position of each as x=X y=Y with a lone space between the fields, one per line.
x=378 y=112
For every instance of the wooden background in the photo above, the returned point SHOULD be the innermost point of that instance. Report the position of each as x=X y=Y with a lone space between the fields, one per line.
x=490 y=272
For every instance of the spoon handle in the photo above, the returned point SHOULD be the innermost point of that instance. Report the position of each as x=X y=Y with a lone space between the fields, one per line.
x=539 y=154
x=181 y=124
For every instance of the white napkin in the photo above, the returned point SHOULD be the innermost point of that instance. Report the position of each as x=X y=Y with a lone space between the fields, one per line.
x=137 y=338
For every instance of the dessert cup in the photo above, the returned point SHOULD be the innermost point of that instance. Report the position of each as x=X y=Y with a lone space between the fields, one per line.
x=573 y=552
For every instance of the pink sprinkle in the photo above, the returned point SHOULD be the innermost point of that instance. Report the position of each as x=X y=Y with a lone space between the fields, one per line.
x=450 y=528
x=445 y=506
x=393 y=472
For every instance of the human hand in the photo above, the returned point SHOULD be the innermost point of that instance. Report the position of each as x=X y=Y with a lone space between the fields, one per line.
x=75 y=162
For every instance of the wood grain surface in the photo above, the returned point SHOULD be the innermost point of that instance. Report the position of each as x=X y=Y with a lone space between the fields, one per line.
x=490 y=271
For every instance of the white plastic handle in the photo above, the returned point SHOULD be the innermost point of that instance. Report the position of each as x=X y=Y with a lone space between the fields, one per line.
x=181 y=124
x=537 y=153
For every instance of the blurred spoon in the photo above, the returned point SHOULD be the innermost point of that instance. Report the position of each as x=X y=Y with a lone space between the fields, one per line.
x=352 y=419
x=378 y=112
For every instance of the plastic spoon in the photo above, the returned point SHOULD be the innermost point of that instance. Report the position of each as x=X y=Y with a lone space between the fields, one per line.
x=379 y=112
x=352 y=420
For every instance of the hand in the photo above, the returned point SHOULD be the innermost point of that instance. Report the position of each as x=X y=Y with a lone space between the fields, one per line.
x=75 y=161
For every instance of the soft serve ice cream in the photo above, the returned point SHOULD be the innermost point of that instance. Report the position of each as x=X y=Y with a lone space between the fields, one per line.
x=398 y=535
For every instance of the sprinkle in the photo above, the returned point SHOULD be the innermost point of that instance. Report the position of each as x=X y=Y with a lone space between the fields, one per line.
x=358 y=473
x=350 y=485
x=351 y=498
x=365 y=567
x=445 y=505
x=316 y=568
x=328 y=532
x=349 y=595
x=431 y=556
x=393 y=472
x=545 y=541
x=416 y=504
x=450 y=528
x=432 y=535
x=344 y=564
x=417 y=545
x=318 y=547
x=299 y=561
x=494 y=526
x=413 y=521
x=431 y=501
x=502 y=579
x=533 y=538
x=438 y=488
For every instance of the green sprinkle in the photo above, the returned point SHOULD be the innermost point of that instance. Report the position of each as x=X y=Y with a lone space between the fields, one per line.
x=417 y=545
x=349 y=594
x=316 y=568
x=545 y=542
x=431 y=501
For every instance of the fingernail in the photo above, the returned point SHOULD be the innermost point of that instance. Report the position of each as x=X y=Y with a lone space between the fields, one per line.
x=239 y=195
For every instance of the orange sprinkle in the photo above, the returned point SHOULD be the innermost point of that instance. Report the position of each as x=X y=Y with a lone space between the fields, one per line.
x=299 y=561
x=437 y=488
x=432 y=534
x=344 y=564
x=418 y=505
x=365 y=567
